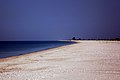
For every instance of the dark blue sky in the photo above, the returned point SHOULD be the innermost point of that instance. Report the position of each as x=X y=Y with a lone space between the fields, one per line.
x=59 y=19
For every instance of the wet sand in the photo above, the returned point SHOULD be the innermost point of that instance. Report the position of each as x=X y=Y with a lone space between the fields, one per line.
x=85 y=60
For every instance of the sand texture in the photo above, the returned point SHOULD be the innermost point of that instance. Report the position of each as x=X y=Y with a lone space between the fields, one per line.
x=85 y=60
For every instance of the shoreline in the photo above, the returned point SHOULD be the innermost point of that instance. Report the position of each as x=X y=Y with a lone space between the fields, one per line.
x=25 y=54
x=44 y=50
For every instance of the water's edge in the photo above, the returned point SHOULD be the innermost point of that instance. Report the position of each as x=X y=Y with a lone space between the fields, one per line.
x=17 y=48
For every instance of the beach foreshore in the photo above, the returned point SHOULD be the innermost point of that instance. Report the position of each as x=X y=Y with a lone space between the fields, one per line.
x=85 y=60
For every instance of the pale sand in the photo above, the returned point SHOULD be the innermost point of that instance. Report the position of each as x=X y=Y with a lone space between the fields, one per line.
x=86 y=60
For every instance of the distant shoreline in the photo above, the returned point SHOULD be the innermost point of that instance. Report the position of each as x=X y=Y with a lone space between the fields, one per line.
x=97 y=40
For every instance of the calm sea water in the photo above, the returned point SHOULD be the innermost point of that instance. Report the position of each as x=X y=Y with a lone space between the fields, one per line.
x=15 y=48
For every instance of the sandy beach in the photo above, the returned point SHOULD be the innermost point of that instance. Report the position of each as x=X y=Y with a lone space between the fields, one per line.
x=85 y=60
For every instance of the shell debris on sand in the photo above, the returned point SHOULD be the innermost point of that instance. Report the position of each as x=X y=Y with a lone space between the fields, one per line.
x=85 y=60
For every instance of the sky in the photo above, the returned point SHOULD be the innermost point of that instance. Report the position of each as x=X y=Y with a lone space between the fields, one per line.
x=36 y=20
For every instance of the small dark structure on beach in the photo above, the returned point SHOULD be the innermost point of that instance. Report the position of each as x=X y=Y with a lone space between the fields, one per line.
x=79 y=39
x=76 y=39
x=73 y=38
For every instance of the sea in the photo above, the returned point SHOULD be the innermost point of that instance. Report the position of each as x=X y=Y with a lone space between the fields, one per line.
x=16 y=48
